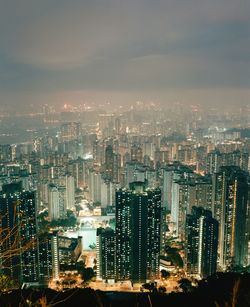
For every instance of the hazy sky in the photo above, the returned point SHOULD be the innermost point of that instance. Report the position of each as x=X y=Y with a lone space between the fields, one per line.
x=57 y=51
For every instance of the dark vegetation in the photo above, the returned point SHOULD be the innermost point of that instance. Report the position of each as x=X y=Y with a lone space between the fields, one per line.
x=219 y=290
x=87 y=274
x=44 y=224
x=70 y=221
x=173 y=256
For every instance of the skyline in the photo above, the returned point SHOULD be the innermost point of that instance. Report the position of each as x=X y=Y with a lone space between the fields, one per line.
x=58 y=52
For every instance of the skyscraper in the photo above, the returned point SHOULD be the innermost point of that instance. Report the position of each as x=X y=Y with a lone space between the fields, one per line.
x=45 y=258
x=105 y=244
x=55 y=255
x=70 y=131
x=216 y=159
x=230 y=199
x=95 y=179
x=138 y=215
x=109 y=162
x=187 y=193
x=136 y=153
x=70 y=191
x=201 y=242
x=54 y=204
x=18 y=236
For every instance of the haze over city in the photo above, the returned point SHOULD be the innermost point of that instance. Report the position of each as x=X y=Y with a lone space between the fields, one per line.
x=76 y=51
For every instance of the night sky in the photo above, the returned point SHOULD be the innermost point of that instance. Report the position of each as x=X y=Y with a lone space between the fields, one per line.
x=75 y=51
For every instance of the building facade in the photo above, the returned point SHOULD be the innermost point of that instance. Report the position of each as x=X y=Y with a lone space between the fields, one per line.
x=201 y=242
x=138 y=216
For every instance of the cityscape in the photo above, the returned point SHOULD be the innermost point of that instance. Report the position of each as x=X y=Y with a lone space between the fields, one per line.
x=123 y=191
x=125 y=156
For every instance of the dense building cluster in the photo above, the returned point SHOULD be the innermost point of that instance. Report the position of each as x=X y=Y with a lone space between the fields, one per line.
x=139 y=179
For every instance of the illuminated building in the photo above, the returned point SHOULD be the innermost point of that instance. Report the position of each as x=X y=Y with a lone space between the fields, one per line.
x=105 y=245
x=70 y=191
x=54 y=203
x=116 y=168
x=77 y=168
x=230 y=198
x=45 y=258
x=107 y=189
x=179 y=206
x=19 y=245
x=70 y=131
x=6 y=153
x=134 y=172
x=55 y=254
x=138 y=215
x=69 y=250
x=214 y=162
x=201 y=239
x=216 y=159
x=109 y=162
x=136 y=153
x=186 y=193
x=95 y=179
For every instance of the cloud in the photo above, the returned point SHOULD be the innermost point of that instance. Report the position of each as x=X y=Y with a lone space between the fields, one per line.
x=54 y=46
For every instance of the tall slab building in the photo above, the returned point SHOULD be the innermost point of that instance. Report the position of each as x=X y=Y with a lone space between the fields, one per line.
x=201 y=242
x=138 y=216
x=18 y=236
x=230 y=201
